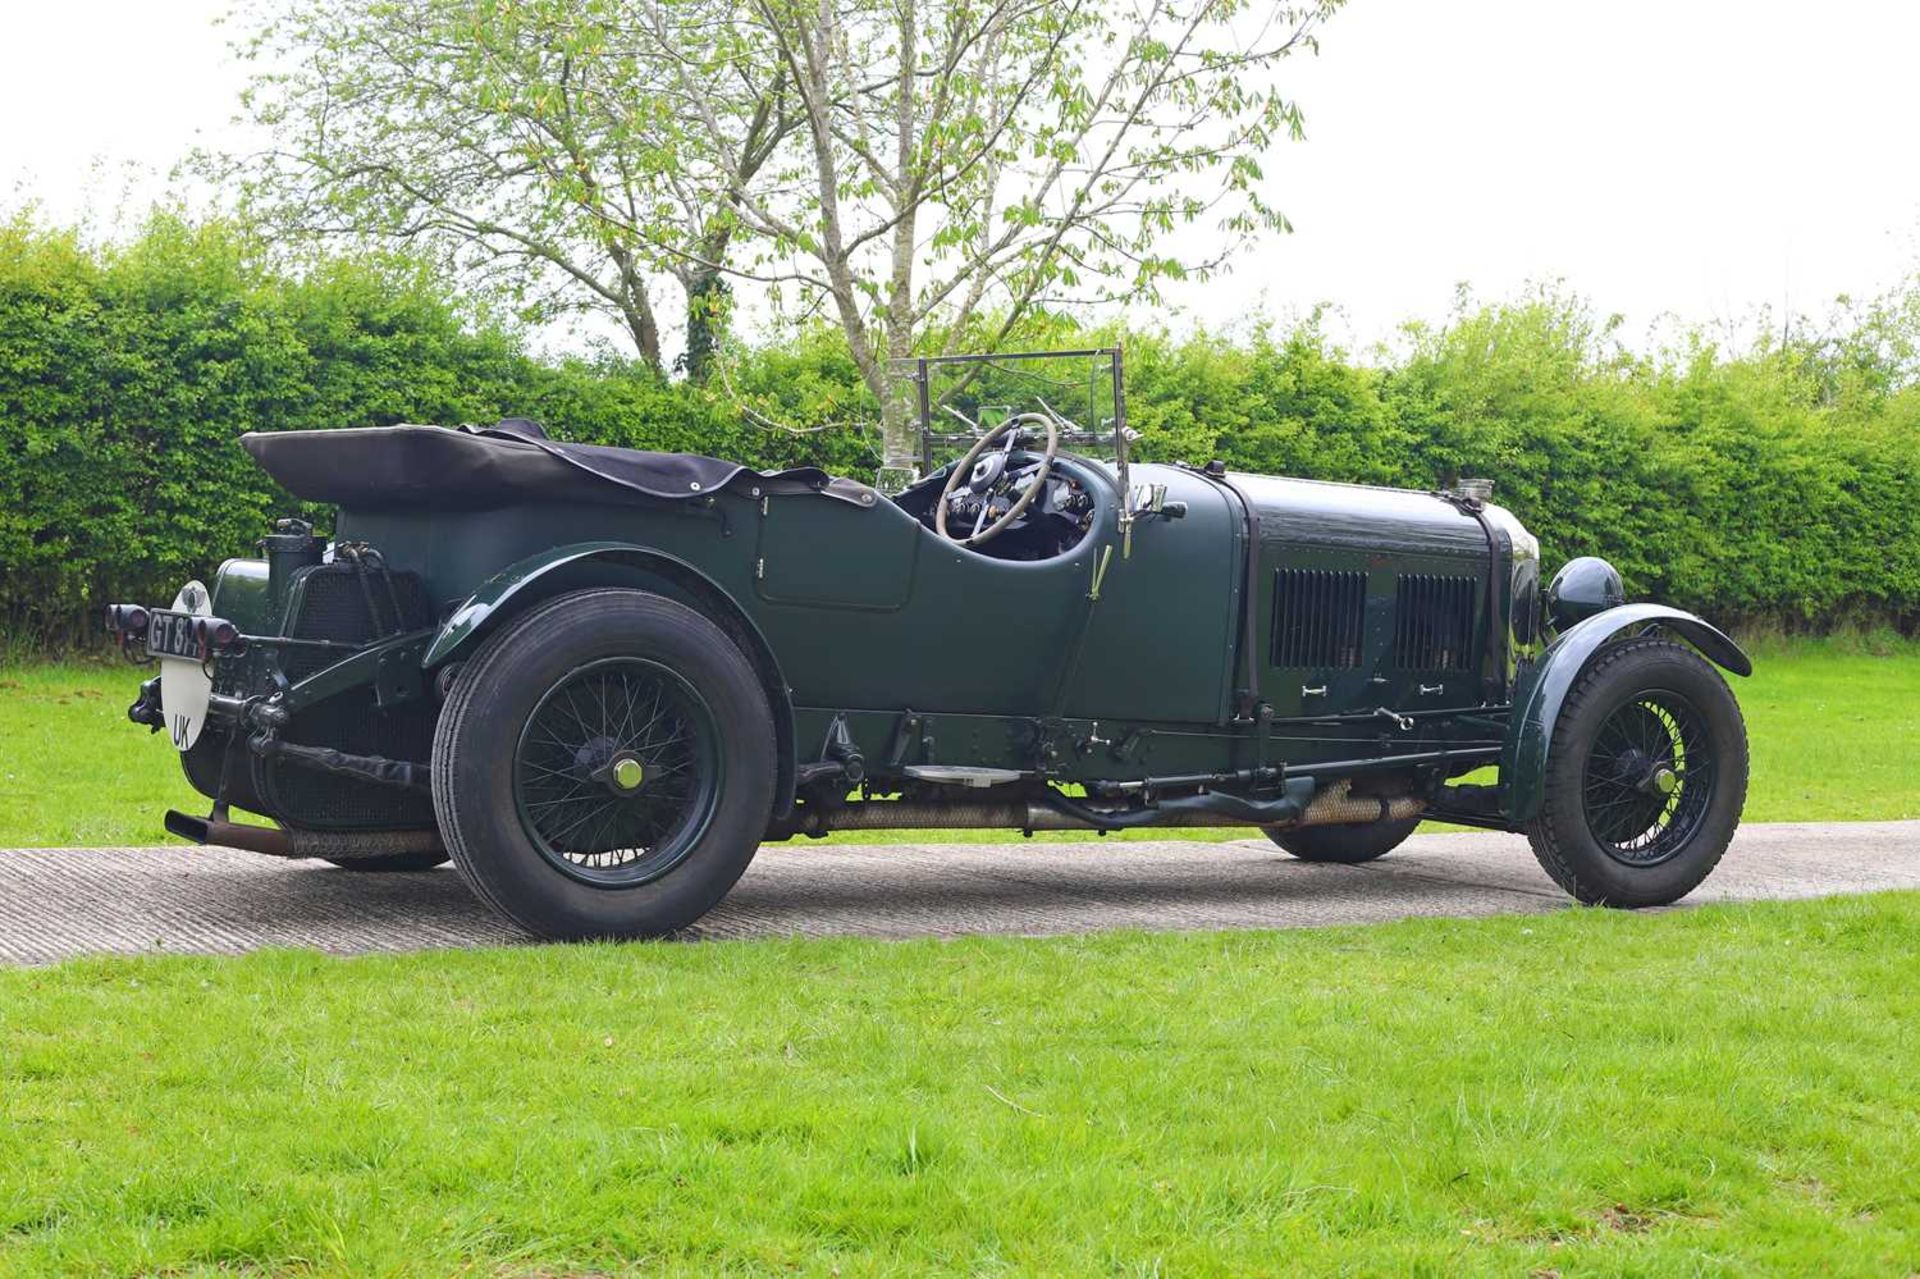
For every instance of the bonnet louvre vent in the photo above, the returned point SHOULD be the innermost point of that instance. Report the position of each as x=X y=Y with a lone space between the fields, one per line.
x=1433 y=623
x=1319 y=617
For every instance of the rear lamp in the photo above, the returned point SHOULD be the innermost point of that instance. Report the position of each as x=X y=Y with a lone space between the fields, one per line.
x=217 y=635
x=129 y=621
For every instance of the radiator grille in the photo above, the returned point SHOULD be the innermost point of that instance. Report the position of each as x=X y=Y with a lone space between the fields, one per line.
x=351 y=722
x=1319 y=617
x=1433 y=623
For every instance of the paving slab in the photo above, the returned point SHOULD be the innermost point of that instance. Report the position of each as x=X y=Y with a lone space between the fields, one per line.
x=57 y=903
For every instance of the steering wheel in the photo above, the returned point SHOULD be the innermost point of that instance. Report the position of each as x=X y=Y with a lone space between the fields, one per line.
x=985 y=474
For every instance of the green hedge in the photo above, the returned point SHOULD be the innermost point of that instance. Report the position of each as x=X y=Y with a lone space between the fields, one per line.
x=1746 y=487
x=126 y=376
x=1772 y=483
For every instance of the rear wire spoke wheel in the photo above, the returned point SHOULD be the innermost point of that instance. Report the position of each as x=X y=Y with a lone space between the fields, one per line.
x=604 y=766
x=1646 y=776
x=616 y=772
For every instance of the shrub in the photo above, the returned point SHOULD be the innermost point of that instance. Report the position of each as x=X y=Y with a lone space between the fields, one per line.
x=1775 y=483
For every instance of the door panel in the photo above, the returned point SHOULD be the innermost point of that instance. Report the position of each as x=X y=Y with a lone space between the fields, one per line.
x=815 y=550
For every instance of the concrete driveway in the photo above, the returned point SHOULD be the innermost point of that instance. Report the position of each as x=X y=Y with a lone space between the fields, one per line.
x=58 y=903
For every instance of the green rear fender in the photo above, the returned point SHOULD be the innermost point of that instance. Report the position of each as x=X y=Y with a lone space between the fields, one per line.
x=537 y=577
x=530 y=580
x=1543 y=691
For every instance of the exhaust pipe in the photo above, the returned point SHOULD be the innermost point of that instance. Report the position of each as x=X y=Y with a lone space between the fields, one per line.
x=1333 y=806
x=1338 y=806
x=911 y=815
x=276 y=842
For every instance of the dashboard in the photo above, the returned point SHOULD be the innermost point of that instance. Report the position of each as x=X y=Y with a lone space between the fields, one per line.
x=1060 y=516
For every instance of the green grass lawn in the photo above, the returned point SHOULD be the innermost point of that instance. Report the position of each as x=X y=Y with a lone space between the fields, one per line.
x=1835 y=733
x=1724 y=1091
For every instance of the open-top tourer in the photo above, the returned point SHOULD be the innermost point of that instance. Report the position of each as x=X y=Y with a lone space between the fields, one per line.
x=598 y=679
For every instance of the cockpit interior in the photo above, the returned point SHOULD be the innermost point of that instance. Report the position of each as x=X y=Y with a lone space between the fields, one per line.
x=1013 y=496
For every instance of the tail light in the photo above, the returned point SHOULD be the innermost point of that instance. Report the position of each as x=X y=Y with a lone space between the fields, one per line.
x=217 y=635
x=127 y=621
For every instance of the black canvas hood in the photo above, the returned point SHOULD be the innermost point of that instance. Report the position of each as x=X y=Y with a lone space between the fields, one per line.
x=464 y=468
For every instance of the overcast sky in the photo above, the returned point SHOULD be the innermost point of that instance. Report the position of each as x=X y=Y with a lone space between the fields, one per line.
x=1690 y=157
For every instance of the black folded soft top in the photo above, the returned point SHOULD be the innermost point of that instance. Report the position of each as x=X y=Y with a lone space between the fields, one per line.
x=444 y=468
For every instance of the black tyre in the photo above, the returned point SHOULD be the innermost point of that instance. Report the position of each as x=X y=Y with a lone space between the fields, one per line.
x=390 y=863
x=604 y=767
x=1646 y=777
x=1347 y=844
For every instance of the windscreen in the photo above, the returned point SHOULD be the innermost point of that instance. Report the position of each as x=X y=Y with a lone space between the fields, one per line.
x=958 y=399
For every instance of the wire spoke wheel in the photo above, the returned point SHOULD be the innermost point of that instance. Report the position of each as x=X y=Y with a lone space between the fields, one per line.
x=617 y=771
x=1649 y=778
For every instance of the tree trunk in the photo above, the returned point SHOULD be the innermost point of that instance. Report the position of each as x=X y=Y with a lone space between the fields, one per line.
x=708 y=298
x=635 y=309
x=646 y=335
x=899 y=428
x=899 y=404
x=899 y=424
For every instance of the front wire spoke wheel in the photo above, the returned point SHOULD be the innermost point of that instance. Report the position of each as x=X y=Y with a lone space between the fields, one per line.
x=616 y=771
x=1649 y=778
x=1645 y=776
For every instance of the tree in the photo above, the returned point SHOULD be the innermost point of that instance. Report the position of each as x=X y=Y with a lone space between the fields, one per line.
x=960 y=163
x=540 y=146
x=930 y=173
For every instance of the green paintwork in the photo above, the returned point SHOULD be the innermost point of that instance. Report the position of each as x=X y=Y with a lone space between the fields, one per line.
x=391 y=666
x=498 y=591
x=241 y=595
x=1544 y=689
x=869 y=610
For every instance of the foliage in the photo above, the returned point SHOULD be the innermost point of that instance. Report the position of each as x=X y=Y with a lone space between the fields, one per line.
x=127 y=374
x=899 y=167
x=1775 y=481
x=1724 y=481
x=957 y=165
x=545 y=148
x=1725 y=1090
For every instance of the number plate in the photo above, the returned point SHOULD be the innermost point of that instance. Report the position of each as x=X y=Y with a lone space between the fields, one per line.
x=171 y=635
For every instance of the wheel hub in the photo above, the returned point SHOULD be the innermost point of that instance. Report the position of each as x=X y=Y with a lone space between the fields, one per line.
x=623 y=773
x=592 y=756
x=617 y=771
x=1649 y=779
x=1646 y=774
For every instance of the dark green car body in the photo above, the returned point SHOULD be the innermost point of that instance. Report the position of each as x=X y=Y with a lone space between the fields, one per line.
x=1207 y=648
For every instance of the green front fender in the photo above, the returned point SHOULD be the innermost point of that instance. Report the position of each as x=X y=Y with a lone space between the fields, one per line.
x=1543 y=690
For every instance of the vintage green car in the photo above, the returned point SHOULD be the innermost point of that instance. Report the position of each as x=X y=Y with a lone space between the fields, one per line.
x=598 y=679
